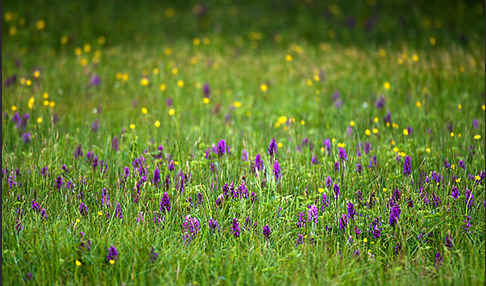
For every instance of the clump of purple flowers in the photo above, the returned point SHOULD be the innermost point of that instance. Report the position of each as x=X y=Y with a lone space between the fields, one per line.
x=190 y=228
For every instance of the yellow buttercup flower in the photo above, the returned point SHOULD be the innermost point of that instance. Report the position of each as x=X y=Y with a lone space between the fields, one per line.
x=180 y=83
x=459 y=106
x=100 y=213
x=405 y=132
x=415 y=58
x=28 y=82
x=263 y=87
x=376 y=120
x=427 y=150
x=46 y=102
x=341 y=145
x=302 y=122
x=45 y=95
x=367 y=132
x=155 y=71
x=64 y=40
x=144 y=110
x=13 y=108
x=288 y=58
x=309 y=82
x=132 y=126
x=52 y=104
x=477 y=137
x=12 y=31
x=386 y=85
x=418 y=104
x=375 y=130
x=175 y=71
x=157 y=124
x=112 y=261
x=237 y=104
x=83 y=62
x=31 y=102
x=36 y=74
x=87 y=48
x=163 y=87
x=78 y=263
x=279 y=144
x=40 y=25
x=452 y=134
x=8 y=16
x=351 y=123
x=144 y=81
x=171 y=112
x=205 y=100
x=321 y=190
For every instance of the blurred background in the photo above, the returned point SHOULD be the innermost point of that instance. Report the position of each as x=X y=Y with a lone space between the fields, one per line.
x=359 y=23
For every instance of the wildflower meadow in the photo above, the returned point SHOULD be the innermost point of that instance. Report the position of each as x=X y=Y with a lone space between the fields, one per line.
x=243 y=142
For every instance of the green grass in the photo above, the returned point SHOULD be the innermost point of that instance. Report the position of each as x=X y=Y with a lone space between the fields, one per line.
x=427 y=83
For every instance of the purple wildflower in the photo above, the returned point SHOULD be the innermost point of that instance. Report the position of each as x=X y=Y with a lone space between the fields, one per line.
x=95 y=125
x=83 y=209
x=455 y=193
x=328 y=182
x=448 y=240
x=153 y=255
x=213 y=224
x=78 y=152
x=118 y=211
x=407 y=166
x=272 y=147
x=95 y=80
x=343 y=222
x=156 y=176
x=27 y=137
x=394 y=215
x=375 y=228
x=300 y=239
x=59 y=183
x=266 y=231
x=258 y=162
x=351 y=210
x=190 y=228
x=337 y=190
x=327 y=143
x=244 y=155
x=313 y=214
x=206 y=90
x=235 y=228
x=112 y=254
x=380 y=102
x=342 y=154
x=165 y=203
x=276 y=170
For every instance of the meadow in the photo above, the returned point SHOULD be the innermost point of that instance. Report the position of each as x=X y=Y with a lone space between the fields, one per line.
x=256 y=143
